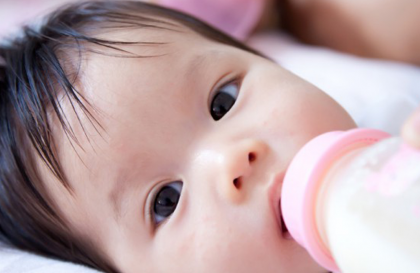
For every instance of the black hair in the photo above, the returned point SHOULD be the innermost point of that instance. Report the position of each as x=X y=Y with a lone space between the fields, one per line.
x=34 y=69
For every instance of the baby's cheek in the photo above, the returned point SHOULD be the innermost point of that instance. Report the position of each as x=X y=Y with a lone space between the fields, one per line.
x=213 y=246
x=206 y=244
x=201 y=246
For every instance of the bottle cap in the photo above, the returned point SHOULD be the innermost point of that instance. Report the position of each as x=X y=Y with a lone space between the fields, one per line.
x=303 y=179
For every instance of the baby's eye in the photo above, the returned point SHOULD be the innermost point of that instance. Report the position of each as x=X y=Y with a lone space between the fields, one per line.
x=165 y=201
x=224 y=99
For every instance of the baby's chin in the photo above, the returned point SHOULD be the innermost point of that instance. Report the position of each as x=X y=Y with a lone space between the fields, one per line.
x=307 y=264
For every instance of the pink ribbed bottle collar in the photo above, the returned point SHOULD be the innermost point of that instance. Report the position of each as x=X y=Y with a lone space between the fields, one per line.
x=302 y=181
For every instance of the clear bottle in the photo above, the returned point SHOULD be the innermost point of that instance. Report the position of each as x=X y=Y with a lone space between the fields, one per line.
x=352 y=199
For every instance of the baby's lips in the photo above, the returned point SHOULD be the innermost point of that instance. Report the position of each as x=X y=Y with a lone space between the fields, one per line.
x=284 y=230
x=275 y=194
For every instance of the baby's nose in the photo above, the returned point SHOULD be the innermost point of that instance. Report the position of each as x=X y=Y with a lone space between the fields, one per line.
x=239 y=168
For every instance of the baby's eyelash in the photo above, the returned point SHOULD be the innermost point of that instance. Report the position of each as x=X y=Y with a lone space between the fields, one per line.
x=165 y=202
x=223 y=98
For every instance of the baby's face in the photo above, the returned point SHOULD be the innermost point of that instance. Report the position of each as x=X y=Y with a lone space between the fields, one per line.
x=186 y=174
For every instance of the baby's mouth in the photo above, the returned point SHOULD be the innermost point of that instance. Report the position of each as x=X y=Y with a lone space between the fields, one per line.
x=284 y=231
x=275 y=196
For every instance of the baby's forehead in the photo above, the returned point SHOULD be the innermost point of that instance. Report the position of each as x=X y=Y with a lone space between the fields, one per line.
x=164 y=32
x=150 y=61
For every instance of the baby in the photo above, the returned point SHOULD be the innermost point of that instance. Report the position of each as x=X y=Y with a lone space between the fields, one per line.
x=137 y=139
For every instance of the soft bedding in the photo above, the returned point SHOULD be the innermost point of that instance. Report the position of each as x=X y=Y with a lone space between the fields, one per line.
x=377 y=94
x=15 y=261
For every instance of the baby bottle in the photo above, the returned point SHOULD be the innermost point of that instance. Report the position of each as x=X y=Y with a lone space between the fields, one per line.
x=352 y=199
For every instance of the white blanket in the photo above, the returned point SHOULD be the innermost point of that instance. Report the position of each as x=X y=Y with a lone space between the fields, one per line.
x=14 y=261
x=377 y=94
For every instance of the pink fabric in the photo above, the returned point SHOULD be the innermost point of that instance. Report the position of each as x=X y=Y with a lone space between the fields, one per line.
x=14 y=14
x=235 y=17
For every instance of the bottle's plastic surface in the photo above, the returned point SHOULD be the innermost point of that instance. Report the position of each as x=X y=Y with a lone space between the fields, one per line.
x=352 y=199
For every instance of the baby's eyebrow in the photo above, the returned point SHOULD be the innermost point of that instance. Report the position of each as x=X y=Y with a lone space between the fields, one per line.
x=195 y=65
x=199 y=62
